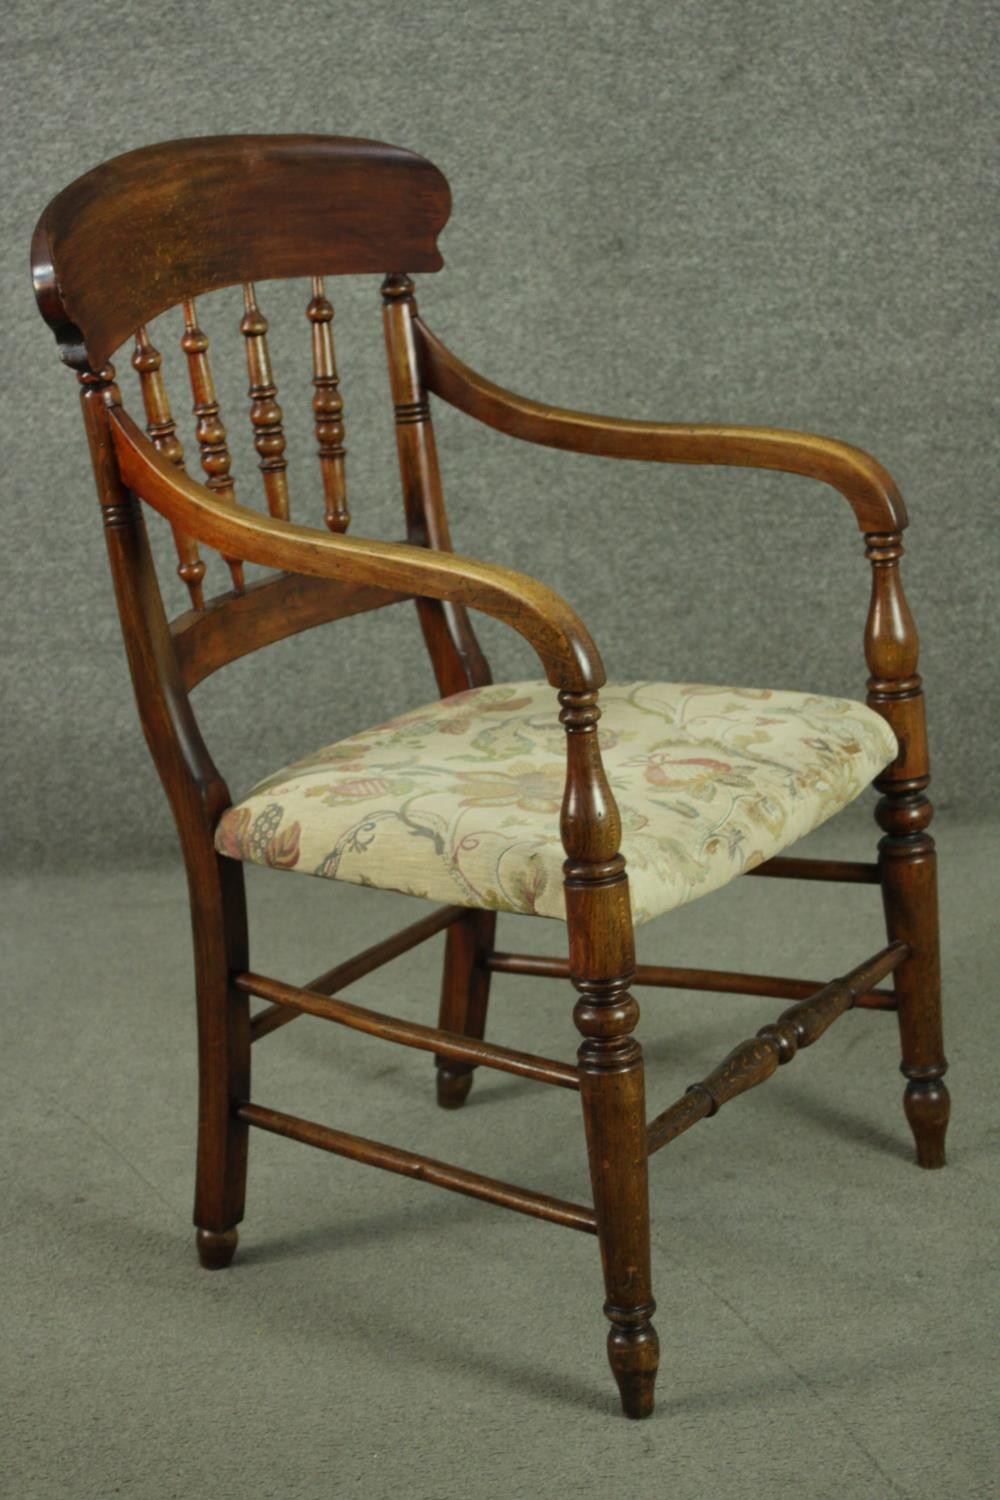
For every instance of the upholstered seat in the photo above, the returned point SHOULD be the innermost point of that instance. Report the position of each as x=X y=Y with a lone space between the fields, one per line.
x=459 y=801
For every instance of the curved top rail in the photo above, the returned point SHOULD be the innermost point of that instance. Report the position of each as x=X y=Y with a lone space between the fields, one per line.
x=143 y=231
x=867 y=487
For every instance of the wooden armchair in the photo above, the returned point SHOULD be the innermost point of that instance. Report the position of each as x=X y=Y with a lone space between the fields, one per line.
x=709 y=783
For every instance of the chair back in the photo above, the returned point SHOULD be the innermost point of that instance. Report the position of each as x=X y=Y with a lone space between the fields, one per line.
x=157 y=228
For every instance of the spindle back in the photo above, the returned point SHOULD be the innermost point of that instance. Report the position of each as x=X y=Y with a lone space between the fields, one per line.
x=157 y=228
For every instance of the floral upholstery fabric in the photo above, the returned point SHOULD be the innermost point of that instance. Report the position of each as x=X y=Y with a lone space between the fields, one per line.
x=459 y=801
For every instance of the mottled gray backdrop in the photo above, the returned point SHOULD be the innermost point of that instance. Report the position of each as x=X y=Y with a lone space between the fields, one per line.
x=744 y=211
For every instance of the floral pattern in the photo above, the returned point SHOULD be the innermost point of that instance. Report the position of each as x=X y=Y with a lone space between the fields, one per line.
x=459 y=801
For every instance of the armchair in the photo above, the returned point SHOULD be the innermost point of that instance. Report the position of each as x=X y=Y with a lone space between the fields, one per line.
x=599 y=805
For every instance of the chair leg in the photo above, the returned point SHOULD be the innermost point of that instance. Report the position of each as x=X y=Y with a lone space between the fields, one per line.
x=465 y=990
x=611 y=1087
x=906 y=853
x=602 y=963
x=909 y=890
x=220 y=945
x=612 y=1091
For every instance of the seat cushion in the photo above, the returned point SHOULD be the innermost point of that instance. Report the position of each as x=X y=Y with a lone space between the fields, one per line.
x=459 y=801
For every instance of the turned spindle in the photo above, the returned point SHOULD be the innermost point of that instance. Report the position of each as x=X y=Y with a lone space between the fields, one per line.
x=328 y=410
x=907 y=859
x=162 y=429
x=265 y=413
x=210 y=432
x=602 y=962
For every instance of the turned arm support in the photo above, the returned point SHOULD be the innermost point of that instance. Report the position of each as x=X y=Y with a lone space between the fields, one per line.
x=864 y=483
x=538 y=613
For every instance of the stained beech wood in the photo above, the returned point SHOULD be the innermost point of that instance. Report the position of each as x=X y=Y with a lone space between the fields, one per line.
x=561 y=641
x=455 y=652
x=147 y=362
x=353 y=969
x=197 y=796
x=409 y=1033
x=328 y=410
x=850 y=872
x=907 y=857
x=662 y=976
x=155 y=229
x=465 y=992
x=210 y=431
x=138 y=234
x=423 y=1168
x=602 y=960
x=270 y=609
x=216 y=1251
x=265 y=413
x=863 y=482
x=754 y=1061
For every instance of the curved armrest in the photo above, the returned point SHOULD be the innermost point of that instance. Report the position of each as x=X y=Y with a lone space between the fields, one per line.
x=867 y=487
x=538 y=613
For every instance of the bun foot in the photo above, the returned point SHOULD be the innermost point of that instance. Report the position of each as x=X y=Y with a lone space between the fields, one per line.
x=634 y=1354
x=453 y=1087
x=928 y=1105
x=215 y=1251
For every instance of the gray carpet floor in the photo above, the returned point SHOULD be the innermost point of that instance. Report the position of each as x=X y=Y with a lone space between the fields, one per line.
x=827 y=1311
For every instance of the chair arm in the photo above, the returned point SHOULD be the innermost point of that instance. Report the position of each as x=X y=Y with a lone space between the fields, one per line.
x=864 y=483
x=538 y=613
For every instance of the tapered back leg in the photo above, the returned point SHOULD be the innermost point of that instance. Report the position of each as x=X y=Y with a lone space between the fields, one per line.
x=465 y=991
x=218 y=906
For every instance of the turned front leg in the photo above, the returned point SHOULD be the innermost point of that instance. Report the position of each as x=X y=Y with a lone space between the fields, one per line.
x=602 y=962
x=907 y=859
x=614 y=1114
x=907 y=862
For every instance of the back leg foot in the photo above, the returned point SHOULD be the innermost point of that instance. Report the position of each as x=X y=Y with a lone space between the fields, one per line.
x=452 y=1086
x=465 y=989
x=216 y=1250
